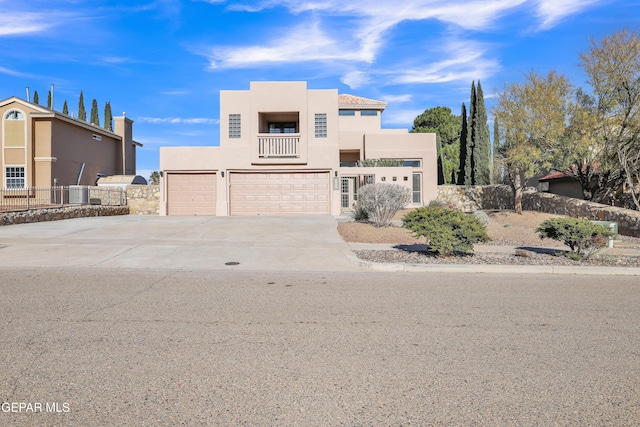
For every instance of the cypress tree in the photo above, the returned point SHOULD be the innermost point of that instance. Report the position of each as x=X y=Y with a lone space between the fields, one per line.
x=463 y=146
x=49 y=101
x=496 y=172
x=482 y=142
x=440 y=165
x=65 y=108
x=469 y=167
x=36 y=99
x=95 y=120
x=108 y=117
x=82 y=113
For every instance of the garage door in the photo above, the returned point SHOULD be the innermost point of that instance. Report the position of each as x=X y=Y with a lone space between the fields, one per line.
x=279 y=193
x=191 y=193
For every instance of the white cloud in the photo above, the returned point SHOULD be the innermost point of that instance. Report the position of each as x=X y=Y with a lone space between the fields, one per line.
x=178 y=120
x=24 y=23
x=396 y=98
x=400 y=117
x=300 y=44
x=465 y=62
x=552 y=11
x=355 y=79
x=14 y=73
x=175 y=92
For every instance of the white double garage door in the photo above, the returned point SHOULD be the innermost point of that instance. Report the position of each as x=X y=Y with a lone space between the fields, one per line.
x=263 y=193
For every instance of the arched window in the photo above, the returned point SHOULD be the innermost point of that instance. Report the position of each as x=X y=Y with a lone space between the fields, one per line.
x=14 y=115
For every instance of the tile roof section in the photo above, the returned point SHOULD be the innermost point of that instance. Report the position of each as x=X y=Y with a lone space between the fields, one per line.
x=352 y=101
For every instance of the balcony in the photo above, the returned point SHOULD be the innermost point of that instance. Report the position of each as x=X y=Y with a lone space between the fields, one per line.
x=278 y=146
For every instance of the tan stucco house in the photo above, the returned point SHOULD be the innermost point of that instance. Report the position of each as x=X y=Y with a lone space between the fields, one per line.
x=287 y=149
x=44 y=148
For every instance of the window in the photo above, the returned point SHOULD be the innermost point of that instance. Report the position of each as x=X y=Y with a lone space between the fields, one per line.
x=321 y=125
x=369 y=113
x=283 y=127
x=14 y=177
x=347 y=112
x=415 y=187
x=234 y=126
x=14 y=115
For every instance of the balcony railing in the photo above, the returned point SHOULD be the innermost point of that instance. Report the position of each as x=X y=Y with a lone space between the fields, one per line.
x=278 y=146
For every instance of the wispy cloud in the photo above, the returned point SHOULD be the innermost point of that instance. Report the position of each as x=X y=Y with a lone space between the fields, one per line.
x=179 y=120
x=355 y=79
x=551 y=12
x=175 y=92
x=465 y=62
x=400 y=117
x=396 y=99
x=14 y=73
x=14 y=23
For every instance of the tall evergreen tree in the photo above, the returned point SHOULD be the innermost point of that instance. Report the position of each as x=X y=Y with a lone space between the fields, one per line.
x=108 y=117
x=82 y=113
x=65 y=108
x=496 y=167
x=463 y=146
x=95 y=120
x=49 y=101
x=36 y=99
x=482 y=141
x=469 y=167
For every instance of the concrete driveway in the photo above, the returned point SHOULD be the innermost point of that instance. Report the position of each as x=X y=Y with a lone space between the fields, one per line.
x=284 y=243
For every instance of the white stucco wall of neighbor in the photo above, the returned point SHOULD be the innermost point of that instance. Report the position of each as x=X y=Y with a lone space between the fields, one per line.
x=281 y=148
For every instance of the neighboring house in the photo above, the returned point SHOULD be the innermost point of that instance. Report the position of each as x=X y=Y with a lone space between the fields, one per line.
x=287 y=149
x=44 y=148
x=561 y=184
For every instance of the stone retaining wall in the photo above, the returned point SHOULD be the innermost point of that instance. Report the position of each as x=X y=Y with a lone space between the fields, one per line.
x=468 y=199
x=143 y=199
x=55 y=214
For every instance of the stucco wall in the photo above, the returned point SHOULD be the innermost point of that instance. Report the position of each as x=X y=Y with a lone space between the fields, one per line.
x=467 y=198
x=143 y=199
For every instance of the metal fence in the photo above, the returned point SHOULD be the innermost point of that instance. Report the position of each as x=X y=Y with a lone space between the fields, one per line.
x=17 y=199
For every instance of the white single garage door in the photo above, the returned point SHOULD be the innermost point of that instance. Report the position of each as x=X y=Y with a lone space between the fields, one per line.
x=279 y=193
x=191 y=193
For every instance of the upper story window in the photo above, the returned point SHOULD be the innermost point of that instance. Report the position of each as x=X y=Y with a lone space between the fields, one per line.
x=14 y=115
x=368 y=112
x=234 y=126
x=283 y=127
x=321 y=125
x=14 y=177
x=346 y=112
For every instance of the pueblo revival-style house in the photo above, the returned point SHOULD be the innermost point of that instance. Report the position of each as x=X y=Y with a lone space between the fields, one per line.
x=286 y=149
x=44 y=148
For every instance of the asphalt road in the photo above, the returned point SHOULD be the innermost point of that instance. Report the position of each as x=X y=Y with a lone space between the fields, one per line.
x=160 y=347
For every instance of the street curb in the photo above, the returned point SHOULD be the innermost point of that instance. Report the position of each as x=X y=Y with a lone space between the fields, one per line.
x=496 y=268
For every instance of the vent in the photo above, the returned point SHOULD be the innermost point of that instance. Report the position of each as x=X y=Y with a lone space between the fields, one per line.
x=96 y=137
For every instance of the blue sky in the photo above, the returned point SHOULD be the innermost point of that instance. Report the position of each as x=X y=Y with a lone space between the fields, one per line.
x=164 y=62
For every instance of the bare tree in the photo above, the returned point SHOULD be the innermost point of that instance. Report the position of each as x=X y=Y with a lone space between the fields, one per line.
x=383 y=201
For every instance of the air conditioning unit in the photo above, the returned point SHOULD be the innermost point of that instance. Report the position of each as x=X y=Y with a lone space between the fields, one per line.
x=78 y=194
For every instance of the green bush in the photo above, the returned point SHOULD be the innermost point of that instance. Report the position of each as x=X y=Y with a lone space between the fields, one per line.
x=360 y=214
x=582 y=236
x=447 y=231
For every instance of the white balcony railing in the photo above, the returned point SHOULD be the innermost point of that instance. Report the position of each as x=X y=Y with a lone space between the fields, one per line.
x=278 y=146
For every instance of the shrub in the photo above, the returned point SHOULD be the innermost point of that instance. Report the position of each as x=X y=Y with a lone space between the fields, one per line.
x=359 y=214
x=446 y=231
x=582 y=236
x=383 y=201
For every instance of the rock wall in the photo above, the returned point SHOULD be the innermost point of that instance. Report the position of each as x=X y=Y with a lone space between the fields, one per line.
x=143 y=199
x=55 y=214
x=469 y=199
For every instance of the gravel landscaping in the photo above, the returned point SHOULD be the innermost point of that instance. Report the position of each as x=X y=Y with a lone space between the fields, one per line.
x=505 y=228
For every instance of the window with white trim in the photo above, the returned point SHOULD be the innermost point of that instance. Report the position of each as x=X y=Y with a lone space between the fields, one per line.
x=234 y=126
x=14 y=177
x=14 y=115
x=321 y=125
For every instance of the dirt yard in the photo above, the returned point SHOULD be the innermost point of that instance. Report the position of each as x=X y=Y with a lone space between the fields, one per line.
x=504 y=228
